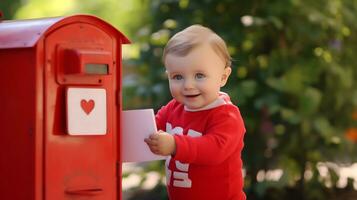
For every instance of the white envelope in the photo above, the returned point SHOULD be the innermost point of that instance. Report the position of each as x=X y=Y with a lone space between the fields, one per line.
x=138 y=125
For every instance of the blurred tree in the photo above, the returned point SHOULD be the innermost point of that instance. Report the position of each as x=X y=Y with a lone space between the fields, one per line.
x=9 y=7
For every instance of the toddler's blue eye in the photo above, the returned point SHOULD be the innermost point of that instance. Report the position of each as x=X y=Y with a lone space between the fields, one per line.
x=200 y=76
x=177 y=77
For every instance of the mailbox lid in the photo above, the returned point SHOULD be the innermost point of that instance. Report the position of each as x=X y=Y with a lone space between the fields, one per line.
x=27 y=33
x=23 y=33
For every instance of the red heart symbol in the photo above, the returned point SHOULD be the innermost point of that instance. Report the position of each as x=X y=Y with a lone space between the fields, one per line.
x=87 y=106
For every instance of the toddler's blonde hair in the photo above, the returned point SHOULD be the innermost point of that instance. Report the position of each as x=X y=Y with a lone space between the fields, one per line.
x=186 y=40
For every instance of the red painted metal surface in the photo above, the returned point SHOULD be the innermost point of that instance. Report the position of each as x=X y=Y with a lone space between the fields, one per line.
x=38 y=159
x=24 y=33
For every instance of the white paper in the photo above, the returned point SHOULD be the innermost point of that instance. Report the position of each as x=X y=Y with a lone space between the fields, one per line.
x=138 y=125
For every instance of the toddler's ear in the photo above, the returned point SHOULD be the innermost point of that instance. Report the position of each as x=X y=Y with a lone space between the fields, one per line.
x=225 y=75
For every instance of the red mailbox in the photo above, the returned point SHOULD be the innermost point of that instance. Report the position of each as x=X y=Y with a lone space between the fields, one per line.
x=60 y=109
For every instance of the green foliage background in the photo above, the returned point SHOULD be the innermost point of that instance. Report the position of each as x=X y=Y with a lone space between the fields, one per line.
x=294 y=79
x=294 y=76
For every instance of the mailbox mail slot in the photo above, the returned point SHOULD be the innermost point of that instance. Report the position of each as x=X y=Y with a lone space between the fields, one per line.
x=61 y=134
x=84 y=62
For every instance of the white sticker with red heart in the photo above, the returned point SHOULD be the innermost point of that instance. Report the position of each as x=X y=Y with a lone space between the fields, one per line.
x=86 y=111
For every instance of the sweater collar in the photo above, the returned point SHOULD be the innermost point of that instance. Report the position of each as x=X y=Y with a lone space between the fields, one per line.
x=222 y=99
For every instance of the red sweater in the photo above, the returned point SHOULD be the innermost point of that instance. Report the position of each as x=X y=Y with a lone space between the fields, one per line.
x=207 y=164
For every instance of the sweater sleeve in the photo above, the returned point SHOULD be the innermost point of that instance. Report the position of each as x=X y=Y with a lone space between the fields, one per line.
x=223 y=136
x=161 y=116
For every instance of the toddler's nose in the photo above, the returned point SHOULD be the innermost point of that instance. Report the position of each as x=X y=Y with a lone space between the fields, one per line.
x=188 y=84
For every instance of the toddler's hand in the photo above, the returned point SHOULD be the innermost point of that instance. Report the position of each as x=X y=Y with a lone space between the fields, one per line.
x=161 y=143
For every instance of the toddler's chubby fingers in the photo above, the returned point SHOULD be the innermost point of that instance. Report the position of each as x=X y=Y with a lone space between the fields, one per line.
x=154 y=136
x=160 y=132
x=147 y=140
x=150 y=141
x=154 y=149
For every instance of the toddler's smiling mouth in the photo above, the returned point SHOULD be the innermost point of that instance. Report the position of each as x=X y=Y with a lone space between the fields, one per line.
x=192 y=95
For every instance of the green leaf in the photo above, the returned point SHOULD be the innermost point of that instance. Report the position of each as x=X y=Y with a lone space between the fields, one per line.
x=323 y=127
x=309 y=101
x=290 y=116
